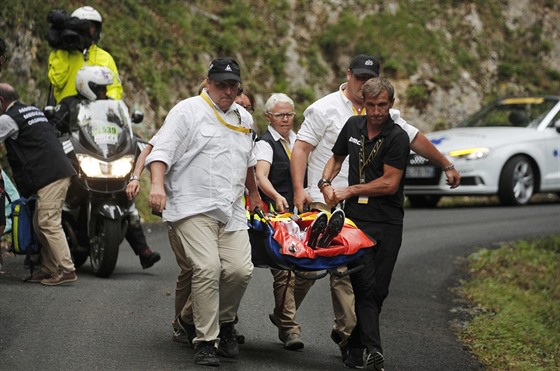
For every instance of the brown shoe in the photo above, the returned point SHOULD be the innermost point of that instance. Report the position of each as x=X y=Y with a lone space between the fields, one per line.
x=60 y=278
x=38 y=277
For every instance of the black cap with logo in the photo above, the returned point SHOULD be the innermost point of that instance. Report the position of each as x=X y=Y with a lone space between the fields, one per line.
x=222 y=69
x=365 y=65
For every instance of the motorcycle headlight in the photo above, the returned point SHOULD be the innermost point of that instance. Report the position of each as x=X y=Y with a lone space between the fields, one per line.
x=471 y=153
x=95 y=168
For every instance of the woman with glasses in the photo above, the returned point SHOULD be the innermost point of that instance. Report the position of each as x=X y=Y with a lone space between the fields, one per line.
x=273 y=152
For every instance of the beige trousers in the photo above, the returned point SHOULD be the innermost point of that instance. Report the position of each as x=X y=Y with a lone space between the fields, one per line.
x=289 y=292
x=221 y=270
x=47 y=223
x=183 y=304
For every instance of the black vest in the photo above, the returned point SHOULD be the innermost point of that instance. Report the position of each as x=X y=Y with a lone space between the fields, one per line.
x=279 y=174
x=36 y=156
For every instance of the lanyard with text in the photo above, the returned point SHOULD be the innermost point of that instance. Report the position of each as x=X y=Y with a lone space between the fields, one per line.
x=239 y=129
x=365 y=162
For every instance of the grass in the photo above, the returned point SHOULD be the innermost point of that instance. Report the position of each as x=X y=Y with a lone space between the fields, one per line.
x=515 y=293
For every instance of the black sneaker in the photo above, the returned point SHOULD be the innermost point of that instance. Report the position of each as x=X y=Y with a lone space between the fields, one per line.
x=362 y=359
x=336 y=222
x=205 y=354
x=185 y=333
x=341 y=342
x=149 y=258
x=228 y=347
x=373 y=361
x=316 y=228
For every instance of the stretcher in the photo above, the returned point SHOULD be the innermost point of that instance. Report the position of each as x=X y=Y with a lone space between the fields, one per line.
x=279 y=242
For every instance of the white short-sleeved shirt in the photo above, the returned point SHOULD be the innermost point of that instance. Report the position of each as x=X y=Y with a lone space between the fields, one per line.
x=263 y=150
x=322 y=123
x=206 y=162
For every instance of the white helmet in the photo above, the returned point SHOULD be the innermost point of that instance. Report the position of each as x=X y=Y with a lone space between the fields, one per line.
x=89 y=13
x=91 y=78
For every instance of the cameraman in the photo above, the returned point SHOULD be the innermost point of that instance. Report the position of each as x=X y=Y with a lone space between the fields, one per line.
x=64 y=64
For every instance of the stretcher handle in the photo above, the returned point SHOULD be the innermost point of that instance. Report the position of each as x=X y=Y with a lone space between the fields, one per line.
x=305 y=275
x=347 y=272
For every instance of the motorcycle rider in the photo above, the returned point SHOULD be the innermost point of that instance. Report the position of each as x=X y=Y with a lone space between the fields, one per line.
x=91 y=84
x=64 y=65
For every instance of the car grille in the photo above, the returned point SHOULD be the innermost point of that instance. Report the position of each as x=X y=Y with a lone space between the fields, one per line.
x=421 y=171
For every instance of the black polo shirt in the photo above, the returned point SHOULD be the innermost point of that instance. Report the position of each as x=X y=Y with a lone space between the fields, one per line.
x=390 y=147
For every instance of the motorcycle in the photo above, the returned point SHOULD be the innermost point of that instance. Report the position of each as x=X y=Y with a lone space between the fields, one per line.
x=103 y=149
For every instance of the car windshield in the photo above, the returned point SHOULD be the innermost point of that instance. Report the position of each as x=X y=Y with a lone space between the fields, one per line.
x=519 y=112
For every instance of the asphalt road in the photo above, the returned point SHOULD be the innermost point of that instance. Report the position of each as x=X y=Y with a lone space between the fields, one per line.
x=123 y=322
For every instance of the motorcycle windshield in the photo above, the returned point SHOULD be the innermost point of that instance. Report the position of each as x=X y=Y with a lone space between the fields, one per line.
x=103 y=126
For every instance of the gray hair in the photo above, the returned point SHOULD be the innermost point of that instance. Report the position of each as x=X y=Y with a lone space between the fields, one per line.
x=375 y=86
x=276 y=98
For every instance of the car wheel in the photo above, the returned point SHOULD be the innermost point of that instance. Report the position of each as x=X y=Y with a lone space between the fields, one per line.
x=423 y=201
x=517 y=182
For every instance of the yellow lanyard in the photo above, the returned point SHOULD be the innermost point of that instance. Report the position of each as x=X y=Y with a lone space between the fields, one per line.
x=286 y=148
x=239 y=129
x=365 y=162
x=361 y=112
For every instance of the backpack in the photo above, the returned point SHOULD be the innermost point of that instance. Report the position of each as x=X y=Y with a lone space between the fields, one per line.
x=24 y=241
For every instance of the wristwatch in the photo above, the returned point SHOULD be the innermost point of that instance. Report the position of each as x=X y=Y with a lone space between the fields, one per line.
x=134 y=177
x=323 y=182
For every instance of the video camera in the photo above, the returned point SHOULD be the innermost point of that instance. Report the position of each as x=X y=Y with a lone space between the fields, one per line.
x=67 y=32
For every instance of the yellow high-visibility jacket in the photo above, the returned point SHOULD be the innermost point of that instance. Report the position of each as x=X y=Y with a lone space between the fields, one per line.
x=64 y=66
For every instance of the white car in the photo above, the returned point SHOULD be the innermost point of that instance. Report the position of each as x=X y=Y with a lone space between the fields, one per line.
x=510 y=148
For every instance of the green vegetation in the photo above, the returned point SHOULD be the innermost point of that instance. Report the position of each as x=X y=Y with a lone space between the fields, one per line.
x=515 y=291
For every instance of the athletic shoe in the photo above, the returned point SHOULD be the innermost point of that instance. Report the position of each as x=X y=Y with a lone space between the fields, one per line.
x=228 y=346
x=205 y=354
x=185 y=333
x=342 y=344
x=59 y=278
x=316 y=228
x=362 y=359
x=293 y=342
x=336 y=222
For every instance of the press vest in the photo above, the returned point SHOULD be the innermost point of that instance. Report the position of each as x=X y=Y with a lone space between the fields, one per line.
x=279 y=174
x=36 y=156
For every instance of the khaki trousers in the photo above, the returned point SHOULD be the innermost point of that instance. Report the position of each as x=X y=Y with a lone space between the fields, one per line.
x=221 y=270
x=342 y=296
x=47 y=223
x=289 y=292
x=183 y=304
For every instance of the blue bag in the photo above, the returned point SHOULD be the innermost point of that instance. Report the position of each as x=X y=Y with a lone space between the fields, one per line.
x=24 y=241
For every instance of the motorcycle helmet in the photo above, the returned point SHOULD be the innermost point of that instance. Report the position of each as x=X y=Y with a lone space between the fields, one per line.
x=91 y=80
x=89 y=13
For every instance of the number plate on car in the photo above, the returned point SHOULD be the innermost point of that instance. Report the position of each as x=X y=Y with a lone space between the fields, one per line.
x=420 y=172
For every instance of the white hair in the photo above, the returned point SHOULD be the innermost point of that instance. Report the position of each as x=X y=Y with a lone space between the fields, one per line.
x=276 y=98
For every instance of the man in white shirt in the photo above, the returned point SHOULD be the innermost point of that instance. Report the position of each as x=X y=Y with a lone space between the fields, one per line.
x=323 y=121
x=200 y=166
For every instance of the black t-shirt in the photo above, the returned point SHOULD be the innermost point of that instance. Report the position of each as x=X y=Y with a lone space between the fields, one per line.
x=390 y=147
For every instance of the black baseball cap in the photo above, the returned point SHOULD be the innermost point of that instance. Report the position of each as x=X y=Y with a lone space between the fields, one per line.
x=222 y=69
x=365 y=65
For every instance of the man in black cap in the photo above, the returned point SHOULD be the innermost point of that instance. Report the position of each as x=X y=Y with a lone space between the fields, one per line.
x=323 y=121
x=201 y=163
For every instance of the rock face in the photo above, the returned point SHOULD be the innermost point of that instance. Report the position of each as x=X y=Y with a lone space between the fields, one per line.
x=488 y=65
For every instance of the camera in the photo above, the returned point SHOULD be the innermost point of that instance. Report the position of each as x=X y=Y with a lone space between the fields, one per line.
x=67 y=32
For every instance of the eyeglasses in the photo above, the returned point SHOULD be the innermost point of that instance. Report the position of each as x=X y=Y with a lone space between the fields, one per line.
x=280 y=115
x=223 y=85
x=248 y=108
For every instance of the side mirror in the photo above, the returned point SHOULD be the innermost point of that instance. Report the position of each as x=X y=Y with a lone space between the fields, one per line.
x=49 y=112
x=557 y=126
x=137 y=117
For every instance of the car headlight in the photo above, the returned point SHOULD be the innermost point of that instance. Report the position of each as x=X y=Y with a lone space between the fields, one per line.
x=95 y=168
x=470 y=153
